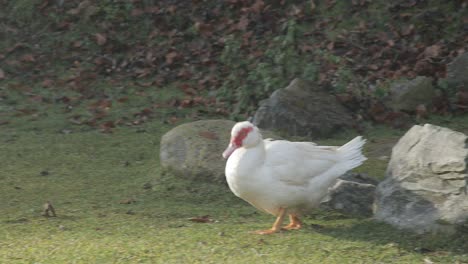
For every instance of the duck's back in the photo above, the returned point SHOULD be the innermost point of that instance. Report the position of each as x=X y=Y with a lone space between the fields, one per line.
x=298 y=162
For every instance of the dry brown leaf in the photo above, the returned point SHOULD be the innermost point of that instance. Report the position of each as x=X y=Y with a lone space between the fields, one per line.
x=258 y=6
x=421 y=111
x=202 y=219
x=170 y=57
x=432 y=51
x=137 y=12
x=312 y=5
x=28 y=58
x=243 y=23
x=100 y=39
x=127 y=201
x=204 y=29
x=407 y=30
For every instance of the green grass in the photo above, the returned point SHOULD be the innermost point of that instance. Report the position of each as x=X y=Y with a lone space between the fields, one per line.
x=88 y=176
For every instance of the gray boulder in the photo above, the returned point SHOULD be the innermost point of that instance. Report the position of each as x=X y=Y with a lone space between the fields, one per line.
x=194 y=150
x=457 y=72
x=352 y=194
x=407 y=95
x=301 y=109
x=425 y=186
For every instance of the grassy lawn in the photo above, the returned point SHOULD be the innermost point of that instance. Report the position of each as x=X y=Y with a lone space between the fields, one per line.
x=115 y=205
x=67 y=74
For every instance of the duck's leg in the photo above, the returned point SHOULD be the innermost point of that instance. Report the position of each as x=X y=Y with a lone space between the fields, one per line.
x=294 y=222
x=276 y=226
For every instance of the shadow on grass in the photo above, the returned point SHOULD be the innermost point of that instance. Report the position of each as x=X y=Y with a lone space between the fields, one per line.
x=383 y=234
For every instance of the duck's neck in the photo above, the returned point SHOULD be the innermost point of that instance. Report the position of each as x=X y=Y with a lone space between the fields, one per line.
x=249 y=159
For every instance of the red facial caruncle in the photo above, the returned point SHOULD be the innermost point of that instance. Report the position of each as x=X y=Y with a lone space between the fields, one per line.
x=236 y=141
x=241 y=135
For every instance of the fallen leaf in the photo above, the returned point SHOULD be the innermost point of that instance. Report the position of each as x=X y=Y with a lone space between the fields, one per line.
x=28 y=58
x=432 y=51
x=407 y=30
x=201 y=219
x=306 y=48
x=172 y=9
x=243 y=23
x=137 y=12
x=186 y=103
x=312 y=6
x=421 y=111
x=204 y=29
x=100 y=39
x=122 y=99
x=258 y=6
x=47 y=83
x=127 y=201
x=170 y=57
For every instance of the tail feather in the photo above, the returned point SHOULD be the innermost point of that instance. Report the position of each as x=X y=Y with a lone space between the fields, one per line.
x=351 y=157
x=352 y=152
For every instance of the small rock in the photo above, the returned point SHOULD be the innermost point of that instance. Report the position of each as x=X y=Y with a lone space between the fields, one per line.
x=408 y=95
x=384 y=158
x=352 y=194
x=48 y=210
x=147 y=186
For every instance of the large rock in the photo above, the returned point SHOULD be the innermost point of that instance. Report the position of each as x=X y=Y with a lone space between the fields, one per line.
x=457 y=72
x=407 y=95
x=425 y=186
x=301 y=109
x=352 y=194
x=193 y=150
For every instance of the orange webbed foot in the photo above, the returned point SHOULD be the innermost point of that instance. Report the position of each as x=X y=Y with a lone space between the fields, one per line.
x=294 y=224
x=276 y=226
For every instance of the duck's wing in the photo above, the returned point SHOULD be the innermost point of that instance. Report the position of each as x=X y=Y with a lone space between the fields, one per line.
x=295 y=163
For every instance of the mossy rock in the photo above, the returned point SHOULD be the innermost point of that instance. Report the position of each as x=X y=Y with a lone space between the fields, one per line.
x=457 y=72
x=194 y=150
x=407 y=95
x=303 y=109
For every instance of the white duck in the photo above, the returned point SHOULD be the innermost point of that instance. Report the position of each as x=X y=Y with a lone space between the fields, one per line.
x=283 y=177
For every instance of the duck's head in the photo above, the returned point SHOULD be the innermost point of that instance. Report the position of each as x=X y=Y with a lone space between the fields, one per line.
x=243 y=134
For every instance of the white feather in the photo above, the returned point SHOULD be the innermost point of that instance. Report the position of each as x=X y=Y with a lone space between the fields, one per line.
x=282 y=174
